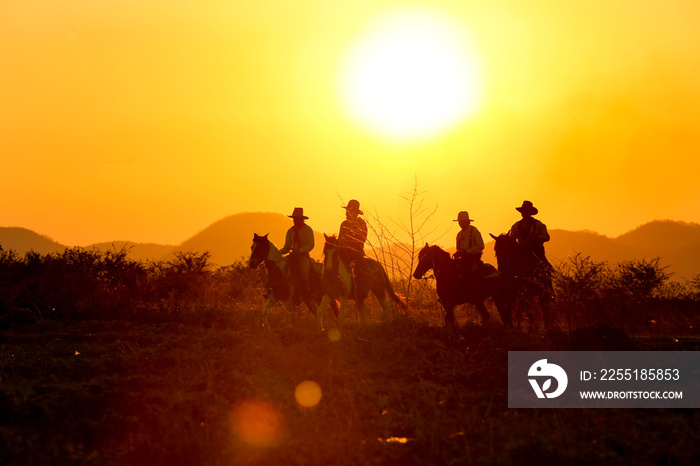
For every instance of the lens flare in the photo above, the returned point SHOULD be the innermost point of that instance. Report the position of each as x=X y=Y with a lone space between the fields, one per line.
x=334 y=334
x=308 y=393
x=257 y=423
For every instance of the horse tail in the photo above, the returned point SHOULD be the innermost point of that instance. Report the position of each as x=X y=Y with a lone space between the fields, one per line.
x=399 y=300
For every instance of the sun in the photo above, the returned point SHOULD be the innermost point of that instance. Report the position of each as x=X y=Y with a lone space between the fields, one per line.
x=412 y=75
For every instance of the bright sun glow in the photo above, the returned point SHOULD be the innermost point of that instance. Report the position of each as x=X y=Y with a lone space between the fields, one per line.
x=411 y=76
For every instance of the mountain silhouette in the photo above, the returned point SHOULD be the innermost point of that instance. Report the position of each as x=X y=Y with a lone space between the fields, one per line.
x=676 y=243
x=229 y=239
x=22 y=240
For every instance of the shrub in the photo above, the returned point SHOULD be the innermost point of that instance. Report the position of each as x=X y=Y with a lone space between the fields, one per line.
x=633 y=295
x=582 y=286
x=93 y=284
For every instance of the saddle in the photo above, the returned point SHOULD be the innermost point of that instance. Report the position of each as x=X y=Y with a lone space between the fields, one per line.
x=480 y=271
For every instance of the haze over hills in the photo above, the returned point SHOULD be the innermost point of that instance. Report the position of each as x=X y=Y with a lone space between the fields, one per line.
x=22 y=240
x=229 y=239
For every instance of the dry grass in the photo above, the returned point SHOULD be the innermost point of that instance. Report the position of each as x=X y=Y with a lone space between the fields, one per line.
x=401 y=392
x=105 y=361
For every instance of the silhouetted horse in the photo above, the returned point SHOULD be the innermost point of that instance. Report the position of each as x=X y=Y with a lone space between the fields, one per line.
x=280 y=282
x=527 y=276
x=453 y=289
x=339 y=283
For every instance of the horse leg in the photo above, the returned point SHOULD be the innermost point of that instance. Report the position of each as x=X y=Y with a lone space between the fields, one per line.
x=504 y=310
x=270 y=302
x=498 y=296
x=306 y=297
x=309 y=301
x=380 y=293
x=545 y=304
x=341 y=312
x=289 y=305
x=449 y=316
x=386 y=309
x=485 y=316
x=360 y=309
x=525 y=305
x=325 y=301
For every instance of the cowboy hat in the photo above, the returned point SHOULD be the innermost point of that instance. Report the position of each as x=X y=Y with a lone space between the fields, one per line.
x=353 y=205
x=527 y=207
x=298 y=212
x=463 y=216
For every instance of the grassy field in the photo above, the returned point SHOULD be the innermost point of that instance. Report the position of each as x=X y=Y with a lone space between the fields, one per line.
x=210 y=387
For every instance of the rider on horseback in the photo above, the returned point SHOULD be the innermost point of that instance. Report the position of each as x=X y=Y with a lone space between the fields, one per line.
x=300 y=241
x=531 y=233
x=352 y=237
x=470 y=246
x=535 y=269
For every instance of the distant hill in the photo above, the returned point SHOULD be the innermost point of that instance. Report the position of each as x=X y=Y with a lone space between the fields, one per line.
x=564 y=244
x=22 y=240
x=229 y=239
x=138 y=251
x=664 y=234
x=676 y=243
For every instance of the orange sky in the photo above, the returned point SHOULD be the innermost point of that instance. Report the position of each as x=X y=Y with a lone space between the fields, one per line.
x=148 y=121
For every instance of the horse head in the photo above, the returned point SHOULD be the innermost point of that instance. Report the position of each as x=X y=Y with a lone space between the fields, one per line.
x=509 y=254
x=504 y=245
x=259 y=251
x=427 y=259
x=330 y=250
x=425 y=262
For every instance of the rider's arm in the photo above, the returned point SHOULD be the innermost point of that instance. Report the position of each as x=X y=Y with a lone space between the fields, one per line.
x=288 y=242
x=541 y=232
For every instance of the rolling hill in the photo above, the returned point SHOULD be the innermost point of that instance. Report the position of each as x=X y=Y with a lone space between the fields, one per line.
x=676 y=243
x=22 y=240
x=139 y=251
x=229 y=239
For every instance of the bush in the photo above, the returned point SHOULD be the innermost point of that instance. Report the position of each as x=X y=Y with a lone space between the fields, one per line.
x=636 y=296
x=633 y=295
x=93 y=284
x=582 y=286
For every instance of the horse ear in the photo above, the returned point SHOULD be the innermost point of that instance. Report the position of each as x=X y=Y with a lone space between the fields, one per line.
x=266 y=235
x=325 y=236
x=255 y=236
x=426 y=245
x=492 y=236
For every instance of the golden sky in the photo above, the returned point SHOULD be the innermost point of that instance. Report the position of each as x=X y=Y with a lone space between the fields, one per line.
x=149 y=120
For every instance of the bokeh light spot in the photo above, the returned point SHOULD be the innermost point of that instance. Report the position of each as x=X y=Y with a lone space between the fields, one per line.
x=308 y=393
x=257 y=423
x=334 y=334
